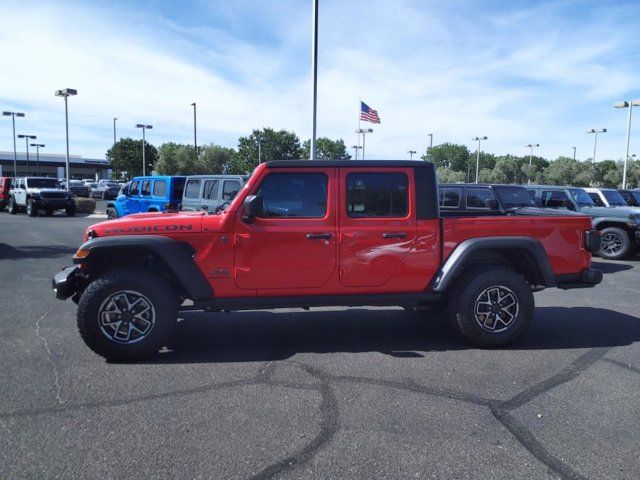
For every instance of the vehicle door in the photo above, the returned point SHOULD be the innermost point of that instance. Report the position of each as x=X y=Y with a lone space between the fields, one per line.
x=292 y=243
x=159 y=194
x=20 y=191
x=191 y=198
x=132 y=202
x=377 y=224
x=145 y=195
x=210 y=194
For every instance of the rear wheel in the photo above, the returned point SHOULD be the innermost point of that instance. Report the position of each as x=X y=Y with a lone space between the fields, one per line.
x=70 y=211
x=492 y=306
x=127 y=315
x=615 y=243
x=32 y=210
x=48 y=212
x=111 y=214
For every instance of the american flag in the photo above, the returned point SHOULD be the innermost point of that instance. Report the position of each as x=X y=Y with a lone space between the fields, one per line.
x=368 y=114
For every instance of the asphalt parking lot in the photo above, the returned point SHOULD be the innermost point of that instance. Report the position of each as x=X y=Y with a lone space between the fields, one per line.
x=329 y=393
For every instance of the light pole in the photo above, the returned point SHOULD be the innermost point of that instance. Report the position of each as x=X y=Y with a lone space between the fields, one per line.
x=595 y=139
x=364 y=132
x=314 y=75
x=411 y=154
x=195 y=139
x=114 y=143
x=356 y=148
x=38 y=147
x=26 y=144
x=66 y=93
x=574 y=152
x=630 y=104
x=259 y=140
x=15 y=155
x=531 y=145
x=144 y=140
x=478 y=139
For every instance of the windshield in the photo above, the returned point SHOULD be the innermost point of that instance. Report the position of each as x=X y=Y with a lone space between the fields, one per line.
x=581 y=197
x=614 y=198
x=636 y=195
x=514 y=197
x=42 y=183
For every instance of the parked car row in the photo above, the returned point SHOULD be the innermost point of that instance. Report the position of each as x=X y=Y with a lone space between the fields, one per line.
x=618 y=222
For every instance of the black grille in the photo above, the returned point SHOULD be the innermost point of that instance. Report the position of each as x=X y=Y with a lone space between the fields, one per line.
x=53 y=194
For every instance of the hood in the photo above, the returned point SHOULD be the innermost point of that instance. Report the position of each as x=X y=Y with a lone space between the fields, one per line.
x=547 y=212
x=150 y=224
x=622 y=212
x=46 y=190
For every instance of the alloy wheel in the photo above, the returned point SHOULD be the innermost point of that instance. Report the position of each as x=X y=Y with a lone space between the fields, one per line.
x=126 y=317
x=496 y=308
x=611 y=244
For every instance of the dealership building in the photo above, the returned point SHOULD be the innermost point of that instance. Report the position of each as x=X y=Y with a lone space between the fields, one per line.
x=53 y=165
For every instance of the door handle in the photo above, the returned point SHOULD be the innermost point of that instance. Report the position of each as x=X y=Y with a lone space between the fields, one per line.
x=318 y=236
x=394 y=235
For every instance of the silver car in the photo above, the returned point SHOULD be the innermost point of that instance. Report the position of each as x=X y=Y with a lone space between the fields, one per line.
x=210 y=191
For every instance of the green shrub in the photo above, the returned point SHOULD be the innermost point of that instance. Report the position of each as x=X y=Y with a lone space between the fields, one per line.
x=85 y=205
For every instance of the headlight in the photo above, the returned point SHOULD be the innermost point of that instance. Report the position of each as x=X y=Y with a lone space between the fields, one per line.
x=633 y=220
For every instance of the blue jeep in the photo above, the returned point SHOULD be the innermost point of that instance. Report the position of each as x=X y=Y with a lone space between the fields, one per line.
x=147 y=194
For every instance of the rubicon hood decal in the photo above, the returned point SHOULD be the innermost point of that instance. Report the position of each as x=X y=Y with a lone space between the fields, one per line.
x=148 y=229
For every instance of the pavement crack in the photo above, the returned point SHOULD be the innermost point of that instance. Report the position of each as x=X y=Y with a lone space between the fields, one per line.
x=626 y=366
x=56 y=375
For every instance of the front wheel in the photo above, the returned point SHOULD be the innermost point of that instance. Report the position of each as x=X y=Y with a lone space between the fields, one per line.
x=111 y=214
x=32 y=210
x=13 y=208
x=70 y=211
x=615 y=243
x=127 y=315
x=492 y=306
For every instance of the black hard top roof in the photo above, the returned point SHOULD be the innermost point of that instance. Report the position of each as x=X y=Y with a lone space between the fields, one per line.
x=487 y=185
x=348 y=163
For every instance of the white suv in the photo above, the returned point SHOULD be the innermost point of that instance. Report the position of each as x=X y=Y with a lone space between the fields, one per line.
x=39 y=193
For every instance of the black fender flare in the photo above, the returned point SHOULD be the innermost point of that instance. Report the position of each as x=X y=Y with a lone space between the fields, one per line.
x=178 y=256
x=457 y=260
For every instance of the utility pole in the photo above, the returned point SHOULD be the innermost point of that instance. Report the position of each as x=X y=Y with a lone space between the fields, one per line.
x=411 y=154
x=195 y=139
x=531 y=145
x=314 y=75
x=364 y=132
x=356 y=148
x=144 y=141
x=595 y=139
x=13 y=116
x=574 y=152
x=478 y=139
x=66 y=93
x=38 y=147
x=26 y=144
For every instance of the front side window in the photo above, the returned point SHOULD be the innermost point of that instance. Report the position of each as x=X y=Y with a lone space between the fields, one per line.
x=377 y=195
x=479 y=197
x=192 y=189
x=450 y=197
x=581 y=197
x=596 y=199
x=134 y=188
x=160 y=188
x=146 y=188
x=636 y=196
x=614 y=198
x=210 y=191
x=294 y=195
x=553 y=199
x=514 y=197
x=230 y=189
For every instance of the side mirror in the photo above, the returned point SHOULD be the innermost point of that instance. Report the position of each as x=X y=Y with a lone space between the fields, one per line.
x=252 y=207
x=491 y=204
x=125 y=191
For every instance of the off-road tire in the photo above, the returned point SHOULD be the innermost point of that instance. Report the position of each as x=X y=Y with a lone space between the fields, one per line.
x=162 y=298
x=48 y=212
x=472 y=287
x=32 y=210
x=620 y=238
x=2 y=205
x=70 y=211
x=112 y=214
x=13 y=208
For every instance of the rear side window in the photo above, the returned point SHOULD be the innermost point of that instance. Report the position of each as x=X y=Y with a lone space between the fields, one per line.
x=134 y=188
x=210 y=191
x=192 y=190
x=146 y=188
x=377 y=195
x=553 y=199
x=532 y=194
x=230 y=189
x=160 y=188
x=294 y=195
x=478 y=197
x=450 y=197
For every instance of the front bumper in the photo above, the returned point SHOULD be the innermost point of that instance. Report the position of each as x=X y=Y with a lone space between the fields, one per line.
x=589 y=277
x=65 y=283
x=592 y=240
x=54 y=203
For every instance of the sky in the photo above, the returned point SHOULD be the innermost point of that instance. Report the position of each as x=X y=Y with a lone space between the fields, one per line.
x=518 y=72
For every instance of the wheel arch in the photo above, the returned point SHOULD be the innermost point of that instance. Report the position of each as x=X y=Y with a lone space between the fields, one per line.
x=525 y=255
x=607 y=223
x=170 y=258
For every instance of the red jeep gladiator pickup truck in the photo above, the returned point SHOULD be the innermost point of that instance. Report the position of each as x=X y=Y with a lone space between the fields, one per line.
x=321 y=233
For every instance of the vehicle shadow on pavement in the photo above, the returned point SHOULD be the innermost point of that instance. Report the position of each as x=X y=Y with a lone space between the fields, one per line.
x=611 y=267
x=267 y=336
x=8 y=252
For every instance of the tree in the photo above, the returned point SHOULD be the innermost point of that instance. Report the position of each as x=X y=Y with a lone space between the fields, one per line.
x=276 y=145
x=449 y=155
x=125 y=157
x=215 y=159
x=327 y=149
x=562 y=171
x=446 y=175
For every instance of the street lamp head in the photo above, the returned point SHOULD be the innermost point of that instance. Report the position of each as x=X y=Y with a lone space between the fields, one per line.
x=193 y=104
x=636 y=103
x=8 y=114
x=140 y=125
x=66 y=92
x=620 y=104
x=480 y=138
x=33 y=137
